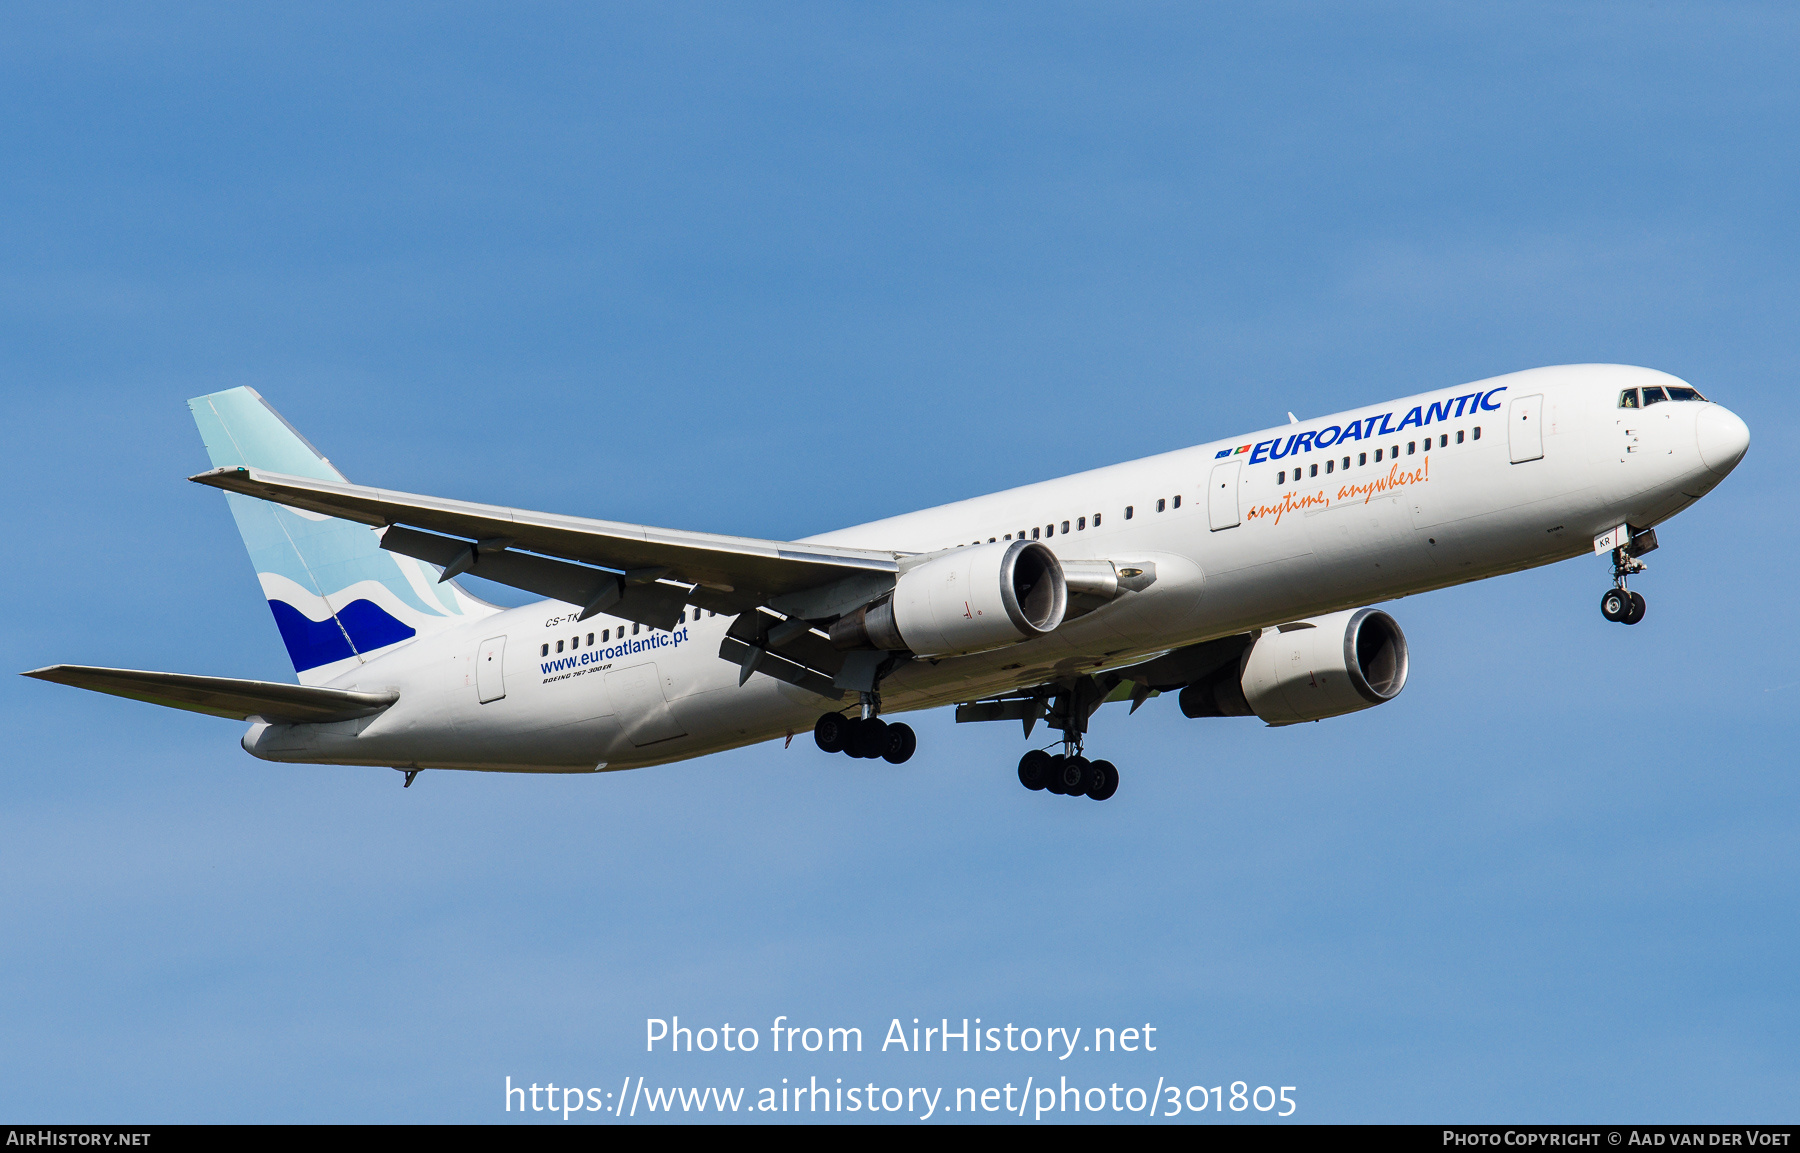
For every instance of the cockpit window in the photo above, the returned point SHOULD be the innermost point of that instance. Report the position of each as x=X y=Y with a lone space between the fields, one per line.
x=1653 y=396
x=1628 y=398
x=1685 y=394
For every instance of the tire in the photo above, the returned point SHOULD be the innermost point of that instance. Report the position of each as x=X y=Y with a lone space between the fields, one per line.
x=870 y=740
x=1615 y=605
x=1073 y=775
x=901 y=741
x=1034 y=769
x=831 y=732
x=1106 y=781
x=1638 y=607
x=1053 y=775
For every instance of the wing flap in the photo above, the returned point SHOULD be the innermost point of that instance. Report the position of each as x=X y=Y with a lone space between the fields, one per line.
x=229 y=697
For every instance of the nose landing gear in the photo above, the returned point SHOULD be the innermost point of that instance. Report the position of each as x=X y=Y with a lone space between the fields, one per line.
x=1620 y=604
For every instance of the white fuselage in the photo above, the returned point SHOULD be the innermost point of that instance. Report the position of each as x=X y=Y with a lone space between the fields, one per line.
x=1451 y=506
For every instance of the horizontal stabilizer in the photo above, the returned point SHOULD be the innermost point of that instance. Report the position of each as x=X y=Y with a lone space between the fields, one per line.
x=230 y=697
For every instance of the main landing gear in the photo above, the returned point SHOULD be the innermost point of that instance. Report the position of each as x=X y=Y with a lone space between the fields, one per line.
x=868 y=739
x=1068 y=775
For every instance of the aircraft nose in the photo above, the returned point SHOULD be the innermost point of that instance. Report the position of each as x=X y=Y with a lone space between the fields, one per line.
x=1723 y=438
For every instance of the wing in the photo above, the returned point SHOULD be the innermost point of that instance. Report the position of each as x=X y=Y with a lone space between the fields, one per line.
x=641 y=564
x=239 y=700
x=631 y=571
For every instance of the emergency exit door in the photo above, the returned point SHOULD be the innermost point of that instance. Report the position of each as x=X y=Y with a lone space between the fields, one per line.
x=490 y=670
x=1525 y=428
x=1222 y=495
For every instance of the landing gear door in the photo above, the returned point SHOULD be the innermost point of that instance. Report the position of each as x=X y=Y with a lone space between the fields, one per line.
x=490 y=670
x=1525 y=428
x=1222 y=495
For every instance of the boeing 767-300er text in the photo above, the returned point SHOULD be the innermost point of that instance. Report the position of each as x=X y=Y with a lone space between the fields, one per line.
x=1235 y=573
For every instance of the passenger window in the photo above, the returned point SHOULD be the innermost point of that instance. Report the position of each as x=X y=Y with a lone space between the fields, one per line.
x=1080 y=523
x=1346 y=463
x=1328 y=465
x=591 y=635
x=990 y=540
x=1160 y=503
x=1410 y=446
x=1096 y=520
x=634 y=628
x=1683 y=394
x=1394 y=452
x=1177 y=500
x=1459 y=436
x=1065 y=528
x=575 y=641
x=1315 y=470
x=1628 y=398
x=559 y=645
x=1127 y=512
x=1362 y=458
x=1034 y=533
x=1478 y=432
x=1008 y=536
x=1377 y=456
x=1281 y=477
x=546 y=651
x=1444 y=441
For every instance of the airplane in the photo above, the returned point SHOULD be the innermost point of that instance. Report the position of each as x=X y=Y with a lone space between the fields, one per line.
x=1240 y=575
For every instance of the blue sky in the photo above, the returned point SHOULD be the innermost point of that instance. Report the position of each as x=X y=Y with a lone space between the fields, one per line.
x=777 y=271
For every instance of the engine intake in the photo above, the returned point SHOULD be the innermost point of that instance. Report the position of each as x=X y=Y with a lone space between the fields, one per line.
x=1325 y=667
x=967 y=600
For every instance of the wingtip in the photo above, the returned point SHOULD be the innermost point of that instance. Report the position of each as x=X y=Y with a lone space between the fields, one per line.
x=213 y=476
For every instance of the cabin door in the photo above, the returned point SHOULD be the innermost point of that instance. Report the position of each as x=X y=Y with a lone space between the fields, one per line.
x=1525 y=428
x=490 y=670
x=1222 y=495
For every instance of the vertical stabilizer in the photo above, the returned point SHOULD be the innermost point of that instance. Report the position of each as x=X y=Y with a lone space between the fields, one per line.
x=337 y=597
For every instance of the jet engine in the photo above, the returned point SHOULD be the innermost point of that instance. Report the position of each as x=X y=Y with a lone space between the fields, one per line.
x=1307 y=671
x=966 y=600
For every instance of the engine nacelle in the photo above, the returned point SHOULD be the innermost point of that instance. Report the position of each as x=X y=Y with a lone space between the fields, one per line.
x=967 y=600
x=1326 y=667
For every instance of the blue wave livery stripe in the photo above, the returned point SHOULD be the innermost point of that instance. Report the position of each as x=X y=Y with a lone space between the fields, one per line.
x=360 y=626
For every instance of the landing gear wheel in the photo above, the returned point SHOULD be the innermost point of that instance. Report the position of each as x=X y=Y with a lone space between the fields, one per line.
x=1637 y=609
x=869 y=740
x=901 y=741
x=1106 y=781
x=1071 y=777
x=831 y=732
x=1053 y=776
x=1615 y=605
x=1034 y=769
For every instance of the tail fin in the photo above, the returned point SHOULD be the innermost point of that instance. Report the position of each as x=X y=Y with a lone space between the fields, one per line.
x=338 y=598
